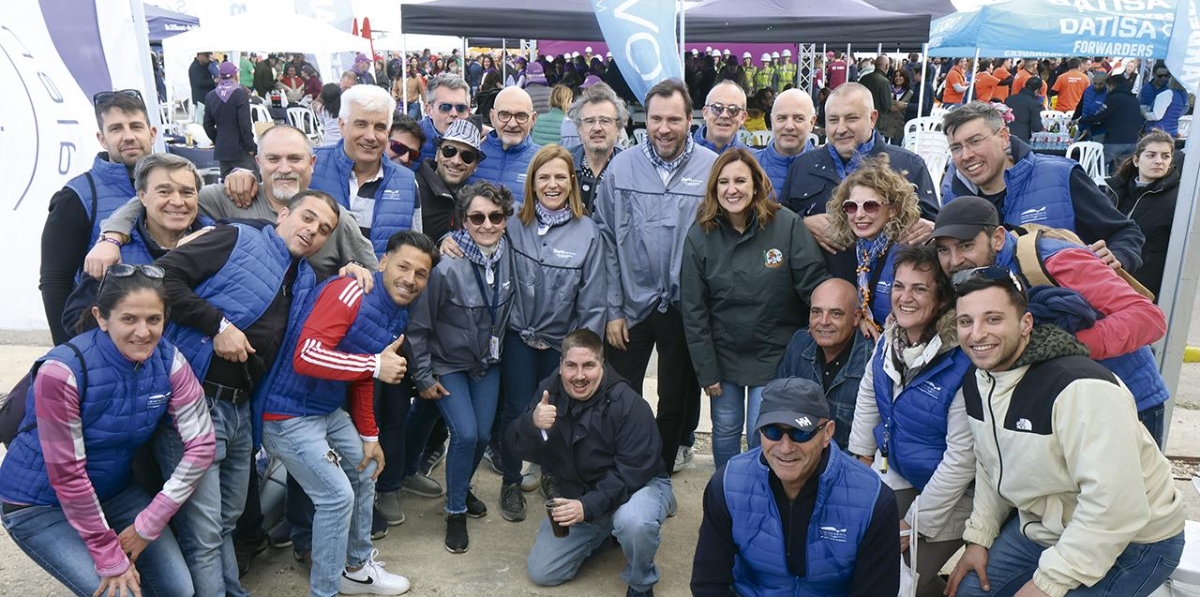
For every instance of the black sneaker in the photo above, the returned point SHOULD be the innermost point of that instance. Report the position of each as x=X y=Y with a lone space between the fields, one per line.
x=379 y=524
x=457 y=540
x=550 y=486
x=632 y=592
x=246 y=550
x=492 y=458
x=512 y=503
x=475 y=506
x=430 y=460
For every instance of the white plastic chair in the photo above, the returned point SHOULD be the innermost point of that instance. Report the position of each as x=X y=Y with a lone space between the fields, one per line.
x=814 y=139
x=260 y=113
x=166 y=115
x=936 y=162
x=938 y=112
x=920 y=128
x=926 y=142
x=761 y=138
x=1090 y=155
x=639 y=136
x=1185 y=126
x=305 y=120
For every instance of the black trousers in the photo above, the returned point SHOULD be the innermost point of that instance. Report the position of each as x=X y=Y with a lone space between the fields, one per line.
x=678 y=389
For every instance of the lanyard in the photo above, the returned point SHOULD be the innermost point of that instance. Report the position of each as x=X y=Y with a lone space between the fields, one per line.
x=495 y=304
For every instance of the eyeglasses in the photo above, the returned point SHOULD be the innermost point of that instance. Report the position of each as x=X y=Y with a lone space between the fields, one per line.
x=124 y=270
x=974 y=143
x=446 y=107
x=776 y=433
x=468 y=157
x=603 y=121
x=495 y=218
x=870 y=206
x=522 y=117
x=106 y=96
x=986 y=273
x=400 y=149
x=718 y=109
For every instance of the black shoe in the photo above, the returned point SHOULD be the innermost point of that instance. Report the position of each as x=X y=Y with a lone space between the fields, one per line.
x=492 y=458
x=632 y=592
x=512 y=503
x=457 y=540
x=475 y=506
x=245 y=551
x=550 y=486
x=430 y=460
x=379 y=524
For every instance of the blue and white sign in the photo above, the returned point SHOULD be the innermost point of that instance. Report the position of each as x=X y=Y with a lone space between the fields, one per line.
x=641 y=34
x=1183 y=57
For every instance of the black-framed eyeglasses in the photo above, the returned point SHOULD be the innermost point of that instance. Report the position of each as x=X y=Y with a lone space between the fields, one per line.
x=400 y=149
x=522 y=117
x=718 y=109
x=987 y=273
x=776 y=432
x=468 y=157
x=124 y=270
x=106 y=96
x=478 y=219
x=447 y=107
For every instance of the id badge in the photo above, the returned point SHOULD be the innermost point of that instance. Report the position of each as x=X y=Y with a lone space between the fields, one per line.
x=494 y=348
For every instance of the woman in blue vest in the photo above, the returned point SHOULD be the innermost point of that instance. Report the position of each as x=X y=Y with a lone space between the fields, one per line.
x=871 y=209
x=560 y=287
x=68 y=500
x=910 y=421
x=456 y=332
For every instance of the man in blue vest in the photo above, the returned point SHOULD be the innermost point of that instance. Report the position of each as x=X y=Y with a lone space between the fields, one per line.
x=77 y=210
x=792 y=119
x=447 y=98
x=797 y=516
x=508 y=148
x=348 y=340
x=230 y=291
x=1030 y=188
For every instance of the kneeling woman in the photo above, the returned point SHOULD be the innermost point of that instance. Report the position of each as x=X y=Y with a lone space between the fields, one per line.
x=66 y=480
x=910 y=422
x=456 y=331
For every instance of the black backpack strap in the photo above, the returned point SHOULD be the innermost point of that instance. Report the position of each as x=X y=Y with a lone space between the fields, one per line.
x=80 y=386
x=92 y=218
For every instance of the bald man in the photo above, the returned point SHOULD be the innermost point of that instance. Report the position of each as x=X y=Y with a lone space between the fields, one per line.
x=508 y=149
x=792 y=119
x=830 y=352
x=850 y=118
x=724 y=114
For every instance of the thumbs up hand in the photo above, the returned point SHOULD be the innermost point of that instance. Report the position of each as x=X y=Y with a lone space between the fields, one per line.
x=392 y=366
x=544 y=413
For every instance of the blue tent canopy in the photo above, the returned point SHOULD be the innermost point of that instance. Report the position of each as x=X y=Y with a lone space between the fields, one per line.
x=164 y=23
x=1018 y=28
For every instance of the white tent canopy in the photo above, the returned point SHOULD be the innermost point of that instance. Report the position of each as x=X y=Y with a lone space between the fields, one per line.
x=263 y=32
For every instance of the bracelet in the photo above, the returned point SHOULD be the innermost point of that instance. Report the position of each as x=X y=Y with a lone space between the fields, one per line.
x=109 y=239
x=224 y=324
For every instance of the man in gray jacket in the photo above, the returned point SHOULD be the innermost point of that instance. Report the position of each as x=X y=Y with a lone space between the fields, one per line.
x=645 y=206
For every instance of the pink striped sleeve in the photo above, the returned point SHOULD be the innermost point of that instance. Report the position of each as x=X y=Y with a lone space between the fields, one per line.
x=60 y=431
x=189 y=413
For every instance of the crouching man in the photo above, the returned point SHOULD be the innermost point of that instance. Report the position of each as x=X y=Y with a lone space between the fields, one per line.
x=599 y=436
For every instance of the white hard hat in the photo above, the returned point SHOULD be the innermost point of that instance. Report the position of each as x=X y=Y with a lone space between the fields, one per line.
x=587 y=50
x=574 y=54
x=726 y=52
x=774 y=54
x=608 y=54
x=787 y=52
x=707 y=49
x=716 y=53
x=747 y=55
x=695 y=52
x=766 y=58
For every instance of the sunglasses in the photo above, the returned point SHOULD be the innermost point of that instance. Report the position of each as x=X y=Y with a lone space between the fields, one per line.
x=468 y=157
x=718 y=109
x=400 y=149
x=870 y=206
x=992 y=273
x=477 y=219
x=776 y=433
x=447 y=107
x=125 y=270
x=106 y=96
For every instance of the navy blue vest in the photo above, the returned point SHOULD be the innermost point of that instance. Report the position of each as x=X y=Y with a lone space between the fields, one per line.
x=429 y=147
x=776 y=165
x=1038 y=192
x=113 y=189
x=881 y=295
x=846 y=498
x=121 y=406
x=396 y=199
x=506 y=166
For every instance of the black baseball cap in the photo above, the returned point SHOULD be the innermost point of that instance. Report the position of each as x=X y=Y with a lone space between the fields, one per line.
x=965 y=217
x=793 y=401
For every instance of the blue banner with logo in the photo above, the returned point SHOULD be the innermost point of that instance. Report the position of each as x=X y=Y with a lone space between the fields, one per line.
x=641 y=34
x=1183 y=56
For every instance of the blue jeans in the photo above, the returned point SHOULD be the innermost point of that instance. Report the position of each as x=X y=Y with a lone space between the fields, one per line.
x=44 y=534
x=205 y=522
x=468 y=411
x=523 y=369
x=736 y=408
x=636 y=524
x=323 y=453
x=1152 y=419
x=1138 y=571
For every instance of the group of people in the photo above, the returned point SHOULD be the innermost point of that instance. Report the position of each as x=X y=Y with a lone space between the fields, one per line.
x=351 y=306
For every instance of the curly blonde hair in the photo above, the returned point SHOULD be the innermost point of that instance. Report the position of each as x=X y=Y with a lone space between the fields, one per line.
x=893 y=189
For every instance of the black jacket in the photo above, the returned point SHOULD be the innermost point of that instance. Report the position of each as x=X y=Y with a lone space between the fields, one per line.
x=1153 y=208
x=1027 y=115
x=437 y=201
x=229 y=126
x=602 y=450
x=813 y=177
x=881 y=90
x=1121 y=116
x=910 y=112
x=201 y=80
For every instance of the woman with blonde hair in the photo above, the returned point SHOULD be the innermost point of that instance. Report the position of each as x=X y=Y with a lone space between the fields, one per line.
x=749 y=266
x=871 y=209
x=548 y=128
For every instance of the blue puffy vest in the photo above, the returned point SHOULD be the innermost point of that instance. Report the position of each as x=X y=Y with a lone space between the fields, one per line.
x=396 y=198
x=881 y=295
x=915 y=422
x=113 y=189
x=429 y=147
x=1137 y=369
x=776 y=165
x=242 y=290
x=846 y=498
x=699 y=138
x=1039 y=192
x=136 y=252
x=380 y=321
x=121 y=406
x=506 y=166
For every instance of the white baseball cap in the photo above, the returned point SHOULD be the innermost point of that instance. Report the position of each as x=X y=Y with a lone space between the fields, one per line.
x=787 y=52
x=747 y=55
x=587 y=50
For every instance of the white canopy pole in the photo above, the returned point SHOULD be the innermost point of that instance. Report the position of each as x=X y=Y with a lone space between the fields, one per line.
x=921 y=65
x=682 y=8
x=504 y=60
x=403 y=56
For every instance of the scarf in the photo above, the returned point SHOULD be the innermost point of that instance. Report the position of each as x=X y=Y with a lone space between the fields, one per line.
x=473 y=254
x=548 y=219
x=869 y=253
x=672 y=166
x=225 y=88
x=844 y=169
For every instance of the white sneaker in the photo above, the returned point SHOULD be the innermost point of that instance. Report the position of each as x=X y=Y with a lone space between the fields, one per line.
x=372 y=579
x=683 y=456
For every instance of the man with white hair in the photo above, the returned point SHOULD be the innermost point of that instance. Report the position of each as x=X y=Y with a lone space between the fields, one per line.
x=724 y=112
x=792 y=118
x=447 y=98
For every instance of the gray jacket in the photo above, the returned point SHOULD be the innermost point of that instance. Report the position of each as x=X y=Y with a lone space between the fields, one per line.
x=560 y=280
x=450 y=325
x=644 y=224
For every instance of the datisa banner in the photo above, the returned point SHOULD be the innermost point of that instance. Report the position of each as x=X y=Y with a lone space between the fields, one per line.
x=641 y=34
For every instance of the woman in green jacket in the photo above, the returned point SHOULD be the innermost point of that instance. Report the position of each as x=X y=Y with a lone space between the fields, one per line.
x=548 y=128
